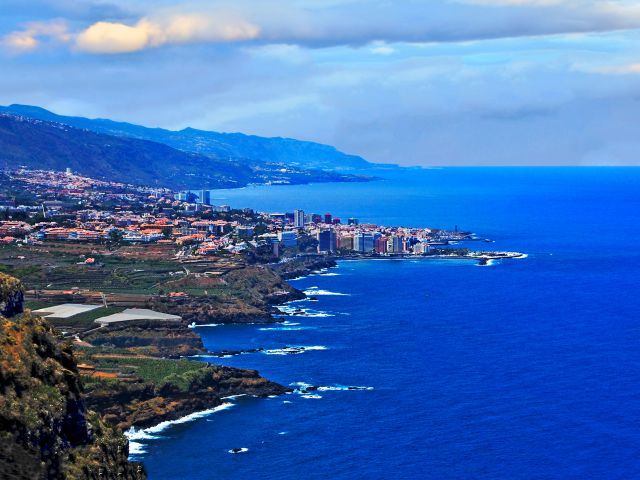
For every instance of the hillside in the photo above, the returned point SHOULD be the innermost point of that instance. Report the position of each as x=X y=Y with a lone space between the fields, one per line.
x=46 y=145
x=45 y=430
x=33 y=143
x=251 y=149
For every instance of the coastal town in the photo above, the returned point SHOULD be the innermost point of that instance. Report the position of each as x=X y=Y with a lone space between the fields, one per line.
x=65 y=207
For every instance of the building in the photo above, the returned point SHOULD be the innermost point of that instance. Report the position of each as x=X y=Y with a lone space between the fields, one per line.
x=328 y=218
x=365 y=242
x=288 y=238
x=244 y=231
x=204 y=197
x=298 y=218
x=326 y=241
x=381 y=245
x=345 y=242
x=394 y=244
x=353 y=221
x=421 y=248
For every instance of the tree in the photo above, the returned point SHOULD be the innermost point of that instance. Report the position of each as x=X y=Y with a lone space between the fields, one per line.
x=115 y=237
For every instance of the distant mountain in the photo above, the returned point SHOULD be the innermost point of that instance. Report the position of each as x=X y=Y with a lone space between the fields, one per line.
x=247 y=148
x=34 y=143
x=38 y=144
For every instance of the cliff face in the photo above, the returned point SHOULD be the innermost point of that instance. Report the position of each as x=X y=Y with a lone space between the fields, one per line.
x=45 y=430
x=143 y=404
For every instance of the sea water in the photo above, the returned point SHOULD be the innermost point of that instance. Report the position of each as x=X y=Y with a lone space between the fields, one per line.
x=525 y=369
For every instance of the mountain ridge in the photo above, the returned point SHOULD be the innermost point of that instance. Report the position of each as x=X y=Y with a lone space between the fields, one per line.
x=239 y=146
x=41 y=143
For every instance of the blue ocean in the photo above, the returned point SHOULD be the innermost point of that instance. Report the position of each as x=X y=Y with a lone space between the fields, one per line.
x=525 y=369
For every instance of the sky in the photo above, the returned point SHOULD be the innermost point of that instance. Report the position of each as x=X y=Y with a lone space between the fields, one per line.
x=414 y=82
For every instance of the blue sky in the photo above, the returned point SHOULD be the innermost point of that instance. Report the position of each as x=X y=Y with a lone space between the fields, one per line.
x=430 y=82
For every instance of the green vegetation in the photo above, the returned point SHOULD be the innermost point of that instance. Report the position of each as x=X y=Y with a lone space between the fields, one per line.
x=175 y=374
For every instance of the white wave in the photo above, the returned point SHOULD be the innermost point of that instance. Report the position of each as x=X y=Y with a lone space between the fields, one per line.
x=134 y=435
x=312 y=396
x=487 y=264
x=234 y=397
x=142 y=434
x=304 y=312
x=330 y=274
x=293 y=350
x=136 y=448
x=239 y=450
x=206 y=325
x=315 y=291
x=301 y=385
x=342 y=388
x=286 y=401
x=291 y=324
x=284 y=329
x=282 y=433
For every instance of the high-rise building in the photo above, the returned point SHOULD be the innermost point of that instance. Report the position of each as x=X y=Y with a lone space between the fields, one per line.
x=204 y=197
x=298 y=218
x=381 y=245
x=364 y=242
x=289 y=217
x=326 y=241
x=327 y=218
x=394 y=244
x=353 y=221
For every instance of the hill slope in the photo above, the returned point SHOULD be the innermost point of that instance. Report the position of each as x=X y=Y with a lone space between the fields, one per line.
x=251 y=148
x=40 y=144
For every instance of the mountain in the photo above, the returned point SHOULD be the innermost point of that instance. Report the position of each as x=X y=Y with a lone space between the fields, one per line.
x=53 y=146
x=250 y=148
x=34 y=143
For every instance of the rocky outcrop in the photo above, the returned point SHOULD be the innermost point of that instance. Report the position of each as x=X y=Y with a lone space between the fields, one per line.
x=143 y=404
x=11 y=296
x=302 y=266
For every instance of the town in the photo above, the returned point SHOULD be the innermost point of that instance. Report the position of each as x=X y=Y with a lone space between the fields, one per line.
x=38 y=206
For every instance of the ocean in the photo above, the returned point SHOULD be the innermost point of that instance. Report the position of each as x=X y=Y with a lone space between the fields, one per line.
x=525 y=369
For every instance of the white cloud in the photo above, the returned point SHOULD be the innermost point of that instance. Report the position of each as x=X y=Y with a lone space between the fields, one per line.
x=378 y=23
x=628 y=69
x=108 y=37
x=29 y=38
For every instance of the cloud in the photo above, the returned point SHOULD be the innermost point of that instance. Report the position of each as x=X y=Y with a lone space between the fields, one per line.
x=619 y=69
x=30 y=37
x=108 y=37
x=351 y=23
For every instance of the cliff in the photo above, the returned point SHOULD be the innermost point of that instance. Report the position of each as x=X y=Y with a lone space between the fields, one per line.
x=302 y=266
x=45 y=429
x=176 y=389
